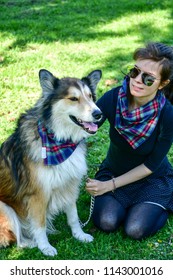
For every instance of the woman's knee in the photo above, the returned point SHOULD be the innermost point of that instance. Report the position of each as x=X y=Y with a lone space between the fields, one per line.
x=108 y=214
x=144 y=220
x=135 y=230
x=106 y=222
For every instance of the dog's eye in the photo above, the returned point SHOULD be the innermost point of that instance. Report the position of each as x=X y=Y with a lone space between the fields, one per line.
x=73 y=98
x=90 y=96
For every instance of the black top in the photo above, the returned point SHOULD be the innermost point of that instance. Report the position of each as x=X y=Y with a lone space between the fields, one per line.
x=121 y=157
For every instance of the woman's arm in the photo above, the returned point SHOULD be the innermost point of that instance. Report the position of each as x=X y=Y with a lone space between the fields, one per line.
x=96 y=187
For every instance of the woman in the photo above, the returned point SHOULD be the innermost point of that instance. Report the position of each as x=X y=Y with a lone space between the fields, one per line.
x=134 y=184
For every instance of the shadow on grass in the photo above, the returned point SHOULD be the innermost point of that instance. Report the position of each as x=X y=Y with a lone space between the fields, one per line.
x=46 y=21
x=41 y=21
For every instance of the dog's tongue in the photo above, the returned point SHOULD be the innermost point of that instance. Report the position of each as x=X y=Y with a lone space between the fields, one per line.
x=91 y=126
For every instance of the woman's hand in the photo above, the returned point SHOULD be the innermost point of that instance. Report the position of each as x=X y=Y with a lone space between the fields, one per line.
x=95 y=187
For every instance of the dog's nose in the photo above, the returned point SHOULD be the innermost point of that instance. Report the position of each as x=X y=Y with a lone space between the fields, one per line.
x=97 y=114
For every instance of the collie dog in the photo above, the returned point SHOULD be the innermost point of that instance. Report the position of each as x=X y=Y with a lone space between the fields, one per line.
x=43 y=162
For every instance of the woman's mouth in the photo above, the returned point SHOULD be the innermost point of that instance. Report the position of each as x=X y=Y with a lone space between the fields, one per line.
x=137 y=88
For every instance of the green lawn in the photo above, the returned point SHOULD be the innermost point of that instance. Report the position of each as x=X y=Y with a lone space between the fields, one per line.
x=72 y=38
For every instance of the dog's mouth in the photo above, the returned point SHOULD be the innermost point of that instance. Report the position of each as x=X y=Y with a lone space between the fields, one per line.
x=89 y=127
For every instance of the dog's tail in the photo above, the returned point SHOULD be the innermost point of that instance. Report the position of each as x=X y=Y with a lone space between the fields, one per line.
x=10 y=229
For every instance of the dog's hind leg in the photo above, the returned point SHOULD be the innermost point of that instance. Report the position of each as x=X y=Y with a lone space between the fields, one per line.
x=10 y=229
x=73 y=221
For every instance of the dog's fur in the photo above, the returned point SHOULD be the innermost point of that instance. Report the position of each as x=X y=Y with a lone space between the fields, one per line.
x=31 y=193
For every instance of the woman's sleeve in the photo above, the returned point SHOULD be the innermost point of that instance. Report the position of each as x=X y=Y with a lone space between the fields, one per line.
x=107 y=104
x=164 y=141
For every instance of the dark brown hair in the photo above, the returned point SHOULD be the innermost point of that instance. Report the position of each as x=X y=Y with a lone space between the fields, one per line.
x=164 y=55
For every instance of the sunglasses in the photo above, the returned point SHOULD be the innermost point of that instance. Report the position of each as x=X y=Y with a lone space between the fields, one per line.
x=147 y=79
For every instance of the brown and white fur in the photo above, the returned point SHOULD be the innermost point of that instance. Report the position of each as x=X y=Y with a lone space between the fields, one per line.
x=31 y=194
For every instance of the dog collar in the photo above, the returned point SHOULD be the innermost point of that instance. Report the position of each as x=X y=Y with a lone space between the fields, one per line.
x=54 y=152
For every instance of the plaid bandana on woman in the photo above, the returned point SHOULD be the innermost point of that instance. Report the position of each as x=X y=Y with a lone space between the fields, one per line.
x=54 y=152
x=136 y=126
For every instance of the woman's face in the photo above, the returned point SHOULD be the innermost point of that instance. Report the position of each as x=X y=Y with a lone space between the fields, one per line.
x=138 y=88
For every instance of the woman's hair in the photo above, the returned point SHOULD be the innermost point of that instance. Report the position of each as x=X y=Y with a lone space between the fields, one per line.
x=164 y=55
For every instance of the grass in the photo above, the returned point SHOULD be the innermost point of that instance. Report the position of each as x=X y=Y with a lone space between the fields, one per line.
x=73 y=38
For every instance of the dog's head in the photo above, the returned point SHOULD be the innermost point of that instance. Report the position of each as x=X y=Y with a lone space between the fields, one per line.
x=69 y=104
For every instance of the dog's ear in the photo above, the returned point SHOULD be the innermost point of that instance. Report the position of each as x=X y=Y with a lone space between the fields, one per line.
x=92 y=80
x=47 y=81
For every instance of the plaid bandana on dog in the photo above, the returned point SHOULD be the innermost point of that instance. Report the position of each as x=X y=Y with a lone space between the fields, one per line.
x=136 y=126
x=54 y=152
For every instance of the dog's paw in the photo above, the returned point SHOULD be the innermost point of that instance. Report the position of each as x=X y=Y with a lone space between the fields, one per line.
x=28 y=244
x=84 y=237
x=49 y=251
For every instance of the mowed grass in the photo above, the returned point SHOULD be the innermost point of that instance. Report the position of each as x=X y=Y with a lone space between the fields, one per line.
x=72 y=38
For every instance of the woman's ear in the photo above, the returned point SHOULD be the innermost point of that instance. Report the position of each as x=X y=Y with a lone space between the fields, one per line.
x=164 y=84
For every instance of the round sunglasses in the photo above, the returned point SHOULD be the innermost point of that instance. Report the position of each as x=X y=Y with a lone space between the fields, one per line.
x=147 y=79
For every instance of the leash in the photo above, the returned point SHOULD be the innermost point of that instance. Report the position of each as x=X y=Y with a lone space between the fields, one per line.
x=90 y=213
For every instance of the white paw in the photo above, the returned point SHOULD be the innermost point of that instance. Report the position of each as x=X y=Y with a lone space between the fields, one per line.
x=49 y=251
x=84 y=237
x=28 y=244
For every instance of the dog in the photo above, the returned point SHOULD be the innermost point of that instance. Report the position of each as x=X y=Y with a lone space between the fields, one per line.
x=43 y=162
